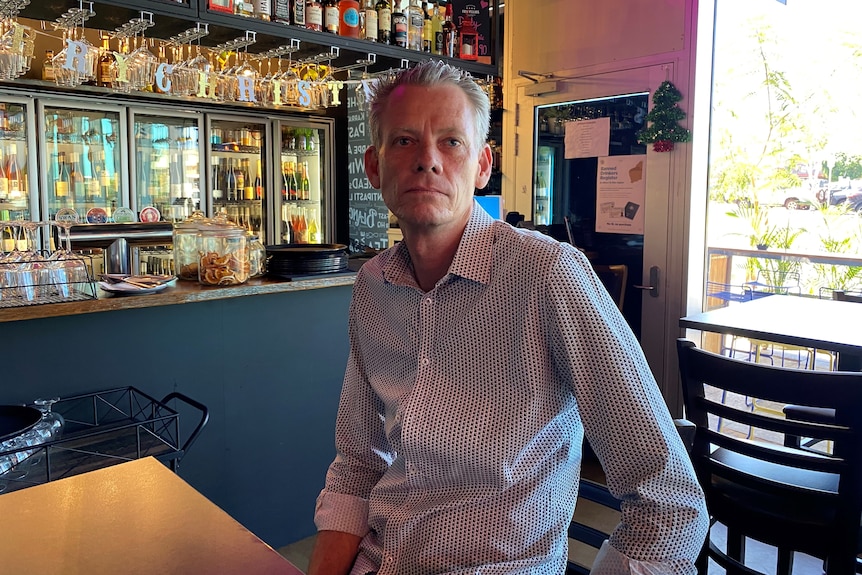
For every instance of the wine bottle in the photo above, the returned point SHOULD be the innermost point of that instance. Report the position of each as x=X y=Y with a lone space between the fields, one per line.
x=304 y=184
x=292 y=182
x=76 y=178
x=230 y=182
x=384 y=21
x=284 y=182
x=330 y=16
x=239 y=179
x=248 y=187
x=258 y=183
x=399 y=26
x=4 y=184
x=17 y=186
x=61 y=184
x=217 y=181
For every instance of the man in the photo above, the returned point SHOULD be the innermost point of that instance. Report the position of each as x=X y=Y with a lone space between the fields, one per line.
x=479 y=357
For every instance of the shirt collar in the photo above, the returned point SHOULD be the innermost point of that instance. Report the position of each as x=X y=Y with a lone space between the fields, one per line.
x=472 y=259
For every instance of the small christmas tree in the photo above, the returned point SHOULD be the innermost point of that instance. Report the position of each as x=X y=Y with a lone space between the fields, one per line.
x=664 y=117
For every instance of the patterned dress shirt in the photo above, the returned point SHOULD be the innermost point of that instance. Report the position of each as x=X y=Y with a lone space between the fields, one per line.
x=463 y=411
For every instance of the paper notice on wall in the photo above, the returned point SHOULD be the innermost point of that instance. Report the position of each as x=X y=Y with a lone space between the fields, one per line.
x=588 y=138
x=620 y=194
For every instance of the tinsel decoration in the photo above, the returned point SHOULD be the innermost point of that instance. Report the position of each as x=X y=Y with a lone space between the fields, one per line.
x=664 y=128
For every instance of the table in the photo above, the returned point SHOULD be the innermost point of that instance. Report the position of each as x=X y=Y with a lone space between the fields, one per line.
x=133 y=518
x=803 y=321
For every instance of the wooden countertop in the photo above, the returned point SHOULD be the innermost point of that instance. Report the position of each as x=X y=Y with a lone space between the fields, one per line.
x=180 y=292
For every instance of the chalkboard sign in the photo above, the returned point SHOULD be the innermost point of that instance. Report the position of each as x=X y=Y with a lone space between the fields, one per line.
x=367 y=214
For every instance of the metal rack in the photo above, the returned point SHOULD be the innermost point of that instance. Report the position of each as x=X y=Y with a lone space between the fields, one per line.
x=105 y=428
x=42 y=288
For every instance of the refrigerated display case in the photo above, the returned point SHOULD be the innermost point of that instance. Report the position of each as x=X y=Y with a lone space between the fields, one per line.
x=84 y=157
x=238 y=161
x=303 y=174
x=16 y=163
x=166 y=164
x=544 y=191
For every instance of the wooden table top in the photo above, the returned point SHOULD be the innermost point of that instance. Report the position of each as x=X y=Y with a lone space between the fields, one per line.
x=132 y=518
x=803 y=321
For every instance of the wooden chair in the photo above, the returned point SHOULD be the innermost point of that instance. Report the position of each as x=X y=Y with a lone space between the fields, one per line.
x=592 y=535
x=792 y=499
x=614 y=277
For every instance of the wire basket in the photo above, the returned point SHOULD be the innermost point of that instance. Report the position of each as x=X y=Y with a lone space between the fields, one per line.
x=61 y=278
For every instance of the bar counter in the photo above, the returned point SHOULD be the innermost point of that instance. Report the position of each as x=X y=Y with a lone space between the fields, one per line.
x=179 y=292
x=267 y=359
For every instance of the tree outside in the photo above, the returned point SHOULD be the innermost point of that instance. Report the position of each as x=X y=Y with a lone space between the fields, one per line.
x=785 y=168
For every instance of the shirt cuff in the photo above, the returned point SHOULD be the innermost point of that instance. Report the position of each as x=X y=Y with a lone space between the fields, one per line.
x=340 y=512
x=609 y=561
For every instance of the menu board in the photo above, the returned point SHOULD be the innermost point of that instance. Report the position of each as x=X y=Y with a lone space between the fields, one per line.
x=479 y=11
x=367 y=214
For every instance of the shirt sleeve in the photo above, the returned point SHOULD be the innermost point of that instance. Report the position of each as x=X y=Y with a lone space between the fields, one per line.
x=626 y=420
x=363 y=453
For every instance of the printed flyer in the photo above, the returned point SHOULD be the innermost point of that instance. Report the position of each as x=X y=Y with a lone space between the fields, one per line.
x=620 y=195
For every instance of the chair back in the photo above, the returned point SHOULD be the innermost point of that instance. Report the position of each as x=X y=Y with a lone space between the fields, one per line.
x=789 y=498
x=842 y=295
x=614 y=277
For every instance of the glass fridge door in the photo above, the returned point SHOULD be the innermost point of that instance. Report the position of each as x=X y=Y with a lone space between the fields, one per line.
x=237 y=181
x=83 y=159
x=303 y=173
x=16 y=139
x=544 y=191
x=165 y=165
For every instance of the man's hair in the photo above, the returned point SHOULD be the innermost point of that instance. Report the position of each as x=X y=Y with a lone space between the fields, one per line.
x=430 y=73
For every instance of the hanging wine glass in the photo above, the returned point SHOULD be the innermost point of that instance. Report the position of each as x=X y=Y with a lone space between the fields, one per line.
x=69 y=270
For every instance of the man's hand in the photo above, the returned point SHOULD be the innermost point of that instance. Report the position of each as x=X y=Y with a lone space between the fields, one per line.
x=334 y=553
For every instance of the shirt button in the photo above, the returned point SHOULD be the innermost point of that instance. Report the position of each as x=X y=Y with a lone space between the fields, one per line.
x=427 y=301
x=425 y=361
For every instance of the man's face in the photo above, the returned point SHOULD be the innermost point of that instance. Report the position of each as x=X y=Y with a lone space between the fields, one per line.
x=427 y=165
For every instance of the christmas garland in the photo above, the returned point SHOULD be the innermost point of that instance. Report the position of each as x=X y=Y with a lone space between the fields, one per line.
x=664 y=128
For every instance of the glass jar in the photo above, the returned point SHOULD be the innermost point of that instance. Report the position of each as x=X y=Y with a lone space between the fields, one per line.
x=223 y=255
x=256 y=257
x=185 y=241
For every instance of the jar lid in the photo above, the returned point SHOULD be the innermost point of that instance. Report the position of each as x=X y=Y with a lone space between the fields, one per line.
x=193 y=222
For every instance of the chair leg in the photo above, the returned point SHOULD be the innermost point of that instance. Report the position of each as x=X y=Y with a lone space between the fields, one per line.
x=785 y=562
x=735 y=545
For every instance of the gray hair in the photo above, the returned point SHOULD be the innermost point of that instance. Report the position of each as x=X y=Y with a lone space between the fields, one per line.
x=430 y=73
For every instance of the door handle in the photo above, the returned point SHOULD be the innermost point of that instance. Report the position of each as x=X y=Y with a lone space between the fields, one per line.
x=652 y=288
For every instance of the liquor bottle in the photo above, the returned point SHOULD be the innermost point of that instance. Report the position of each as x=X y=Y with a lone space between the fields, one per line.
x=384 y=21
x=284 y=183
x=330 y=16
x=4 y=184
x=280 y=11
x=450 y=34
x=304 y=184
x=314 y=15
x=104 y=76
x=415 y=25
x=348 y=18
x=261 y=9
x=399 y=26
x=243 y=8
x=258 y=183
x=428 y=27
x=17 y=186
x=61 y=184
x=368 y=20
x=292 y=182
x=248 y=187
x=76 y=178
x=299 y=12
x=437 y=26
x=48 y=66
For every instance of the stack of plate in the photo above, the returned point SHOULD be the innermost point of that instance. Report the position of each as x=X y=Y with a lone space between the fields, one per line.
x=291 y=260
